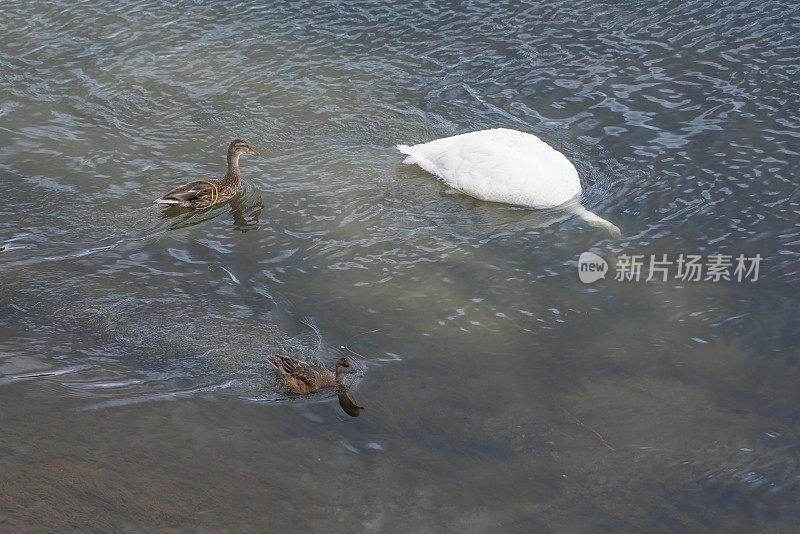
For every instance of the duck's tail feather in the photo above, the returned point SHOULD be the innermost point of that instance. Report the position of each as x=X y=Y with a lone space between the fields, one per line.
x=167 y=201
x=274 y=360
x=597 y=221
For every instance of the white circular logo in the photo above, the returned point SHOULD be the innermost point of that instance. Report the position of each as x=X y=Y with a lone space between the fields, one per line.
x=591 y=267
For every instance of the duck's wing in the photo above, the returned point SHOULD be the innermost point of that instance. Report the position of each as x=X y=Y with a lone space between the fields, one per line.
x=193 y=192
x=301 y=376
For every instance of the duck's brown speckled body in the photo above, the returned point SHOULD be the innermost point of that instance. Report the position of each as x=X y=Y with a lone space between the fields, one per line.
x=201 y=193
x=306 y=378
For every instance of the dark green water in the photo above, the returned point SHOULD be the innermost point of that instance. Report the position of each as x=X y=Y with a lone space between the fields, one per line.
x=134 y=392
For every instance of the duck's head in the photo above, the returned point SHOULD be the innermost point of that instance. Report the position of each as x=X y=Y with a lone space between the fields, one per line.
x=344 y=367
x=239 y=147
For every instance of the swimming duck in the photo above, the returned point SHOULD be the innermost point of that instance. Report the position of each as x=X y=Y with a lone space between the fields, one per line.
x=503 y=165
x=201 y=194
x=306 y=378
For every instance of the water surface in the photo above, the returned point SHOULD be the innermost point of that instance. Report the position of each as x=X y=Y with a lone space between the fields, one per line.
x=500 y=392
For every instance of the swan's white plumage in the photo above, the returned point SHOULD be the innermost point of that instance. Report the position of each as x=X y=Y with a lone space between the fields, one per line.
x=502 y=165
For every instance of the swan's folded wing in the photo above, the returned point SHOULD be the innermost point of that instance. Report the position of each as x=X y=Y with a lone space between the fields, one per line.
x=499 y=165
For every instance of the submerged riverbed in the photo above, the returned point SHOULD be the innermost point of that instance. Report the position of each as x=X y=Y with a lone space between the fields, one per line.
x=499 y=391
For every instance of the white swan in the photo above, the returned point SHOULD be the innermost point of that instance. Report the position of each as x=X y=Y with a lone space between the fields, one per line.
x=502 y=165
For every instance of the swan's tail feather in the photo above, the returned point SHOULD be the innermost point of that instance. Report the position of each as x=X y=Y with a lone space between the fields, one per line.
x=405 y=149
x=420 y=160
x=598 y=222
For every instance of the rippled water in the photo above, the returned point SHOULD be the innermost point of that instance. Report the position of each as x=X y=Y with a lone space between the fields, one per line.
x=500 y=392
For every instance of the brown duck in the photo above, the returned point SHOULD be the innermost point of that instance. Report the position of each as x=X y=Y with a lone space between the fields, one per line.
x=306 y=378
x=201 y=194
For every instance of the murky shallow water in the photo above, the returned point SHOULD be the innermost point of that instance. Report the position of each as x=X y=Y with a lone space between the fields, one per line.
x=132 y=380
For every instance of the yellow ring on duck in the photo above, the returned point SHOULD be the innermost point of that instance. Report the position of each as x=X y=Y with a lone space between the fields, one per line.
x=214 y=194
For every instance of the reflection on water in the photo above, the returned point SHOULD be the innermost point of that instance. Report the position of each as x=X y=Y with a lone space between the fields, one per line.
x=501 y=392
x=350 y=408
x=245 y=213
